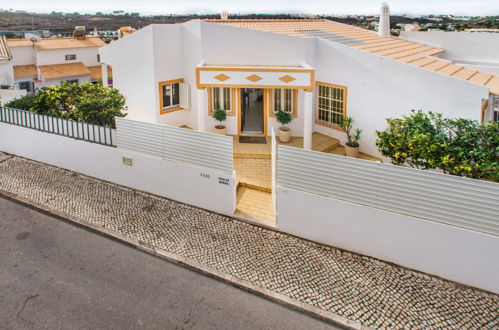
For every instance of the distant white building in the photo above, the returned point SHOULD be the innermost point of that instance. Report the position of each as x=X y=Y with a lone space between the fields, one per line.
x=318 y=70
x=39 y=62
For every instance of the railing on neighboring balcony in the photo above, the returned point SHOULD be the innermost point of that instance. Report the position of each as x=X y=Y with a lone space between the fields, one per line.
x=66 y=127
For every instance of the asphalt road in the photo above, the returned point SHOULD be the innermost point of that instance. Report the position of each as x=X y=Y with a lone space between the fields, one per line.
x=54 y=275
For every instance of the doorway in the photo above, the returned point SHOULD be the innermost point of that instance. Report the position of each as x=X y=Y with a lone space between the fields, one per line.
x=252 y=118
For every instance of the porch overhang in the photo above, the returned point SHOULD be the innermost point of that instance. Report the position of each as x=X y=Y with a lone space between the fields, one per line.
x=293 y=77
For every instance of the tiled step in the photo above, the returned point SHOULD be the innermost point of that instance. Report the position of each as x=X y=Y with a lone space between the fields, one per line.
x=324 y=143
x=255 y=204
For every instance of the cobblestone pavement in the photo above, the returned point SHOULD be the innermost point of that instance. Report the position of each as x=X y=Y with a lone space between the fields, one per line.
x=360 y=288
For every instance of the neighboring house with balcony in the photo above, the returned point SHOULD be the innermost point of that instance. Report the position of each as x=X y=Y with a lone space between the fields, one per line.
x=318 y=70
x=50 y=61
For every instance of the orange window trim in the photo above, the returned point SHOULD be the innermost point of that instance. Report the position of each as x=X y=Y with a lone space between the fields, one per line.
x=295 y=103
x=160 y=90
x=345 y=94
x=233 y=103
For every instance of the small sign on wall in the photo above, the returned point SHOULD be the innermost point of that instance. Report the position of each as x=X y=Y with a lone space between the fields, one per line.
x=127 y=161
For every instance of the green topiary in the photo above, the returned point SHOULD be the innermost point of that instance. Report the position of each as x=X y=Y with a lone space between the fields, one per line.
x=284 y=118
x=220 y=116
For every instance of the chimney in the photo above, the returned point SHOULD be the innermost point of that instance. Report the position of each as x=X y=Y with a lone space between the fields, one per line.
x=79 y=32
x=384 y=21
x=224 y=15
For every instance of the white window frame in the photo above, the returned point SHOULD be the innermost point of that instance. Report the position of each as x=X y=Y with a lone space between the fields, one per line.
x=331 y=104
x=288 y=106
x=224 y=99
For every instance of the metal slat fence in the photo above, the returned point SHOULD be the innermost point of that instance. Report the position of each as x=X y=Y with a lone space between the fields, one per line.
x=462 y=202
x=205 y=150
x=104 y=135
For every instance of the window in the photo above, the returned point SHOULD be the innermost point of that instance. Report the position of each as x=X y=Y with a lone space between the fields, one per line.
x=285 y=100
x=26 y=85
x=70 y=57
x=220 y=98
x=331 y=104
x=98 y=57
x=71 y=81
x=173 y=95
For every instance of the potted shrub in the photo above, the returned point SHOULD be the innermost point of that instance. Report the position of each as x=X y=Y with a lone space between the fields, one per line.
x=352 y=145
x=220 y=116
x=284 y=132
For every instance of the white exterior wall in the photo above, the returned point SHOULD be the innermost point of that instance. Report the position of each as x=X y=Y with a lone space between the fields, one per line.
x=226 y=45
x=132 y=60
x=86 y=55
x=453 y=253
x=472 y=46
x=474 y=50
x=168 y=65
x=23 y=55
x=379 y=88
x=7 y=95
x=168 y=179
x=6 y=73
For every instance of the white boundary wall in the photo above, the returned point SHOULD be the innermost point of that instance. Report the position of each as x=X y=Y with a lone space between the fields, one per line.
x=197 y=186
x=458 y=254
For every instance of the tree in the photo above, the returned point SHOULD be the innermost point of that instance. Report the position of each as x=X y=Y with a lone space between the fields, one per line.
x=461 y=147
x=91 y=103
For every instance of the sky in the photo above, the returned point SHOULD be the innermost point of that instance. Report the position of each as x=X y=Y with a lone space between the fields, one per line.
x=325 y=7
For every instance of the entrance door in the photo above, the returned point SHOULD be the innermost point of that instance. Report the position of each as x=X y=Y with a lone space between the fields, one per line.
x=252 y=111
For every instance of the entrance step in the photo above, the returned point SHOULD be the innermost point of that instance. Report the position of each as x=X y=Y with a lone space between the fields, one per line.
x=324 y=143
x=254 y=173
x=255 y=205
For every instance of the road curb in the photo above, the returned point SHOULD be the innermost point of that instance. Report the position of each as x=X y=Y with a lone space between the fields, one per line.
x=198 y=267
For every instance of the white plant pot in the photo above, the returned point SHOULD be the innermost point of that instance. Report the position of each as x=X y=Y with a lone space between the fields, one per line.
x=352 y=151
x=284 y=134
x=219 y=130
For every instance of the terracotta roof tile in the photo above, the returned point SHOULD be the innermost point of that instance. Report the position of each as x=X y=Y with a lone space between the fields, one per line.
x=401 y=50
x=21 y=71
x=58 y=43
x=63 y=70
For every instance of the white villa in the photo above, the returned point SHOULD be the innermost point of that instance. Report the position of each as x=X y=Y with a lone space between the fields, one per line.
x=39 y=62
x=318 y=70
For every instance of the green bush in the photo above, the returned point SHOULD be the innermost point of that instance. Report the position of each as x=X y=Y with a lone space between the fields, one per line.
x=91 y=103
x=461 y=147
x=220 y=116
x=283 y=118
x=23 y=103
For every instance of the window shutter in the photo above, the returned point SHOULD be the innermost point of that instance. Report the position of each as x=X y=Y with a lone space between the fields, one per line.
x=185 y=95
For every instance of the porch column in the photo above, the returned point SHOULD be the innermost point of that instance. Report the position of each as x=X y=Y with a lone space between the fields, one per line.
x=201 y=110
x=308 y=120
x=104 y=75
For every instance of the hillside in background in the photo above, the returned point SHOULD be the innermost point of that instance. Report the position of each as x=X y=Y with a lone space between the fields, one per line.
x=64 y=23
